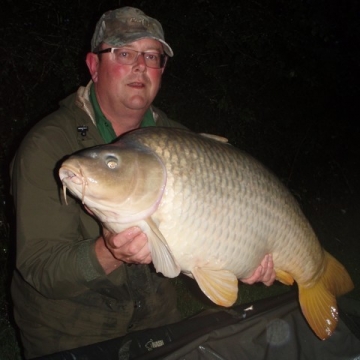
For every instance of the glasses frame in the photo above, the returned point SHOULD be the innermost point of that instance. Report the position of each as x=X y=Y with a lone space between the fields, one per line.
x=163 y=57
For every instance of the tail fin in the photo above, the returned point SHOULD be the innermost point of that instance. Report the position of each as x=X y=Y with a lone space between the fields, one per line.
x=318 y=303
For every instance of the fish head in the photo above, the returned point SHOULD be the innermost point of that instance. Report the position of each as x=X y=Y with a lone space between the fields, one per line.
x=116 y=183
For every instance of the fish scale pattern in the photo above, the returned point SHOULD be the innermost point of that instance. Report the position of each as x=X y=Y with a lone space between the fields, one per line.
x=222 y=209
x=210 y=211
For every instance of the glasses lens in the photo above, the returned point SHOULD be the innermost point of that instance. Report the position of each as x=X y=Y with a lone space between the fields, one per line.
x=128 y=57
x=154 y=60
x=124 y=56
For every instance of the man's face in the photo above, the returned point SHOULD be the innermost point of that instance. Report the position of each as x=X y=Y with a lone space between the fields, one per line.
x=131 y=86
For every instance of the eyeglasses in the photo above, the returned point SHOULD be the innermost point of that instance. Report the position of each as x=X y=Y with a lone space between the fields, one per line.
x=128 y=57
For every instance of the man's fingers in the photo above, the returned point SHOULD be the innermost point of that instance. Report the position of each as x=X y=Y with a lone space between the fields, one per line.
x=138 y=250
x=268 y=276
x=264 y=273
x=256 y=276
x=130 y=245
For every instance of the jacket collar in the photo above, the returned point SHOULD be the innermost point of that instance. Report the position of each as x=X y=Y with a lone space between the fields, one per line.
x=83 y=100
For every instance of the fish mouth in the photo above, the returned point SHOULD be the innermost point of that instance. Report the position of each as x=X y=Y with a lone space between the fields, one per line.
x=69 y=178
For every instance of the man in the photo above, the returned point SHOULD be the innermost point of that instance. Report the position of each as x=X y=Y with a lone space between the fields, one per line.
x=76 y=284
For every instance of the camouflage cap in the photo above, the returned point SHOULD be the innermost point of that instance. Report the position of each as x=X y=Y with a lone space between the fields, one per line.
x=125 y=25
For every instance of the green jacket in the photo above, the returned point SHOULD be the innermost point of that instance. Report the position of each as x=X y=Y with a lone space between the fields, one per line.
x=62 y=297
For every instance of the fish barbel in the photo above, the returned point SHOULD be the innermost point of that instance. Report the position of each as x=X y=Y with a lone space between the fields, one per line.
x=210 y=211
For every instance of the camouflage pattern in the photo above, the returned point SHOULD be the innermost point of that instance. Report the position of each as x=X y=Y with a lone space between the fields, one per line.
x=126 y=25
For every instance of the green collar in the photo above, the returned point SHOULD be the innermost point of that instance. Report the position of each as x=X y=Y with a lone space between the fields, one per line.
x=104 y=125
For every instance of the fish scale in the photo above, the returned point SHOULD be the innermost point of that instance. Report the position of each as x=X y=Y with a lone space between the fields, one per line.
x=263 y=184
x=210 y=211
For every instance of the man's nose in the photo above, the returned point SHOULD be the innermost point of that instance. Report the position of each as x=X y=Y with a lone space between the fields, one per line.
x=140 y=60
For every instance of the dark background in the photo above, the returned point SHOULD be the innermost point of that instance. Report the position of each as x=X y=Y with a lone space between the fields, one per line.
x=278 y=78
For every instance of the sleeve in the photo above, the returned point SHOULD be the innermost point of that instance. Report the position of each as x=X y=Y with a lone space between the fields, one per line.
x=55 y=241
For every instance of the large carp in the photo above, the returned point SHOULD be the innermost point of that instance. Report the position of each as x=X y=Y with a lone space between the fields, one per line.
x=210 y=211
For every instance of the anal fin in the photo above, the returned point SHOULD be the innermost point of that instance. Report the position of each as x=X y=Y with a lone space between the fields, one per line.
x=284 y=277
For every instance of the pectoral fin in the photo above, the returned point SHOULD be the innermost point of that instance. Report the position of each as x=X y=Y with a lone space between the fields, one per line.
x=220 y=286
x=162 y=257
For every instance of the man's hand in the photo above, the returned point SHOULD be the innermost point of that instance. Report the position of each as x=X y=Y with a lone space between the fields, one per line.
x=264 y=273
x=129 y=246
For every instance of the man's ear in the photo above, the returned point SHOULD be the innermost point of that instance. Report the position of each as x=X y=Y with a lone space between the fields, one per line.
x=92 y=62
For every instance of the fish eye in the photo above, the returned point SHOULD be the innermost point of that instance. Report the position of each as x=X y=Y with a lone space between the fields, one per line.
x=111 y=162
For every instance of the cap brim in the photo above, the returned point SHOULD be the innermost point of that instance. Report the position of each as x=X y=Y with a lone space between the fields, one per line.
x=120 y=41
